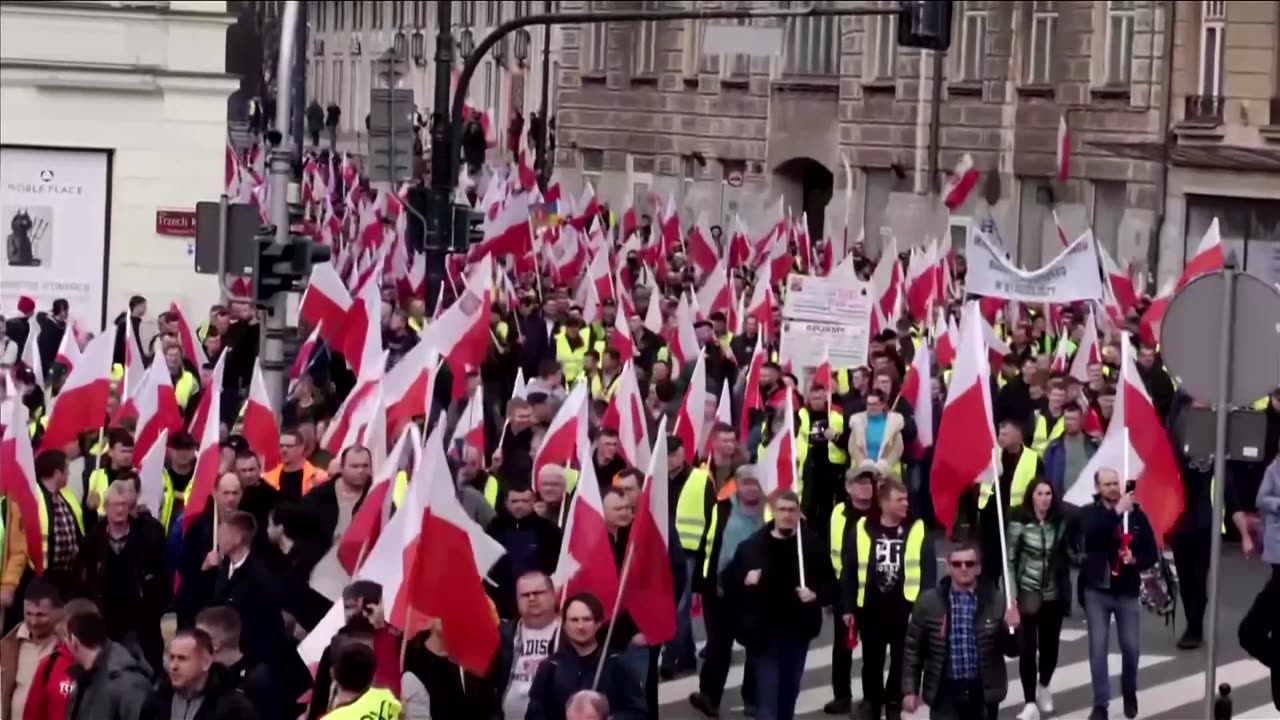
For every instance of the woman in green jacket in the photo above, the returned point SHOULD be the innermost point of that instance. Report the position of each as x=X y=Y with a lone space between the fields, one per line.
x=1039 y=563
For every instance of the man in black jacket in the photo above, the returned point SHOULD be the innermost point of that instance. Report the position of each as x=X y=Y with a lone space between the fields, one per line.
x=196 y=687
x=532 y=543
x=782 y=603
x=1118 y=546
x=254 y=679
x=957 y=635
x=244 y=584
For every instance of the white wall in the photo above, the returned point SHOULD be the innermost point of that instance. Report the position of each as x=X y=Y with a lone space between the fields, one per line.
x=148 y=85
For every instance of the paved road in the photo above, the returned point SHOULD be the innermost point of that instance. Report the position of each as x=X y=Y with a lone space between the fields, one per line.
x=1171 y=682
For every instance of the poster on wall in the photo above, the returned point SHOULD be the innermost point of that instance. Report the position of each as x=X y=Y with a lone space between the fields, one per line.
x=53 y=206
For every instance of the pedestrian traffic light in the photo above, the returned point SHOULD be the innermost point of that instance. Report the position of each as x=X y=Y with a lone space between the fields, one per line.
x=925 y=24
x=279 y=268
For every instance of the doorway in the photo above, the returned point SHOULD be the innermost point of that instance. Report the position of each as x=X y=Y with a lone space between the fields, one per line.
x=807 y=186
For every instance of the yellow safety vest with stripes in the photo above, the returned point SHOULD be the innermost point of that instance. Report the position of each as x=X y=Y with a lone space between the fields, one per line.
x=185 y=388
x=166 y=508
x=691 y=509
x=374 y=704
x=1044 y=434
x=570 y=358
x=72 y=503
x=1023 y=475
x=912 y=567
x=600 y=392
x=835 y=453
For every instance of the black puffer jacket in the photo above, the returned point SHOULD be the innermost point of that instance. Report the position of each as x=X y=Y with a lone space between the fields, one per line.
x=926 y=651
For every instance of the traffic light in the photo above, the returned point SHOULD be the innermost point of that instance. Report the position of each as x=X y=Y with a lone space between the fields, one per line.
x=925 y=24
x=468 y=228
x=279 y=268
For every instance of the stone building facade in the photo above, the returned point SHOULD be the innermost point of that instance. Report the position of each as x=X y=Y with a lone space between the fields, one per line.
x=642 y=109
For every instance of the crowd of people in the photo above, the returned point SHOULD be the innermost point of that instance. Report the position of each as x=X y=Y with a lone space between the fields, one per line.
x=142 y=613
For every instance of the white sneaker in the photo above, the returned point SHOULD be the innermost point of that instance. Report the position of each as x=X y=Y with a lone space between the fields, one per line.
x=1030 y=712
x=1044 y=699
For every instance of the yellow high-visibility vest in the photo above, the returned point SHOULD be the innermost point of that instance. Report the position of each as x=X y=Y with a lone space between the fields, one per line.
x=166 y=509
x=912 y=566
x=72 y=503
x=491 y=491
x=1023 y=475
x=185 y=388
x=691 y=518
x=571 y=359
x=374 y=704
x=1044 y=434
x=402 y=484
x=835 y=453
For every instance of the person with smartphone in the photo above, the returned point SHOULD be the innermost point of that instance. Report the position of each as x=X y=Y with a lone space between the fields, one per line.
x=1118 y=545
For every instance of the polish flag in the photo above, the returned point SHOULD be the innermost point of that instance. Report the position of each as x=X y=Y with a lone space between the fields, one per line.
x=362 y=336
x=209 y=399
x=68 y=351
x=693 y=411
x=886 y=279
x=451 y=559
x=716 y=293
x=325 y=303
x=1209 y=256
x=922 y=283
x=414 y=282
x=724 y=414
x=946 y=337
x=205 y=478
x=302 y=362
x=560 y=444
x=462 y=331
x=1121 y=284
x=469 y=431
x=684 y=346
x=369 y=520
x=81 y=405
x=521 y=388
x=760 y=306
x=355 y=415
x=590 y=209
x=600 y=276
x=259 y=427
x=1061 y=362
x=966 y=444
x=739 y=248
x=822 y=376
x=507 y=231
x=409 y=385
x=778 y=465
x=700 y=248
x=18 y=483
x=134 y=369
x=586 y=561
x=1064 y=148
x=625 y=414
x=156 y=409
x=31 y=351
x=669 y=221
x=648 y=590
x=151 y=474
x=191 y=347
x=752 y=399
x=1088 y=351
x=917 y=389
x=1153 y=318
x=963 y=180
x=620 y=336
x=1137 y=448
x=778 y=257
x=996 y=347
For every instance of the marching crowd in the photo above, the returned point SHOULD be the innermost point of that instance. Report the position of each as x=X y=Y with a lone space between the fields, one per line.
x=141 y=612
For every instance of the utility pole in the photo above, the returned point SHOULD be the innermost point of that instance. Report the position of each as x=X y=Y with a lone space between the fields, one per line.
x=299 y=99
x=543 y=166
x=272 y=341
x=443 y=176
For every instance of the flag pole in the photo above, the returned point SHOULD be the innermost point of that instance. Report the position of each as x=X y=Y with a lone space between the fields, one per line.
x=1004 y=549
x=617 y=606
x=800 y=554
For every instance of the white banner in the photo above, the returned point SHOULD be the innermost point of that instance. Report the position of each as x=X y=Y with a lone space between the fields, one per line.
x=53 y=203
x=1072 y=276
x=832 y=300
x=803 y=343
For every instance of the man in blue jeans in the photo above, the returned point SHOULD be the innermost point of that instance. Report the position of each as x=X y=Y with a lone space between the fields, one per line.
x=1118 y=546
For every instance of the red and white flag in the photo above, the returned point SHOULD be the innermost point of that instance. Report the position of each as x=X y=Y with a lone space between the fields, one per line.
x=521 y=388
x=701 y=249
x=760 y=306
x=31 y=351
x=18 y=482
x=963 y=180
x=917 y=389
x=946 y=340
x=586 y=561
x=693 y=410
x=260 y=428
x=625 y=414
x=752 y=399
x=191 y=347
x=151 y=474
x=1061 y=359
x=156 y=409
x=1136 y=447
x=886 y=279
x=208 y=405
x=724 y=414
x=81 y=405
x=209 y=457
x=369 y=520
x=351 y=424
x=462 y=332
x=325 y=303
x=68 y=350
x=716 y=293
x=362 y=335
x=567 y=428
x=1209 y=256
x=1088 y=352
x=469 y=431
x=620 y=336
x=1122 y=288
x=648 y=593
x=135 y=370
x=1064 y=149
x=922 y=288
x=302 y=362
x=965 y=449
x=409 y=385
x=452 y=557
x=684 y=346
x=778 y=464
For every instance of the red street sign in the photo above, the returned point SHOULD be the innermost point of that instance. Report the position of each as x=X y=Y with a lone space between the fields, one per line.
x=177 y=223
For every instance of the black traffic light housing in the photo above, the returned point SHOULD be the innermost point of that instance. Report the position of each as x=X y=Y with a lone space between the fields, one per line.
x=279 y=268
x=925 y=24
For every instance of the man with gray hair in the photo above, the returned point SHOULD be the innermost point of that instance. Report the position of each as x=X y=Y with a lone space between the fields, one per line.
x=587 y=705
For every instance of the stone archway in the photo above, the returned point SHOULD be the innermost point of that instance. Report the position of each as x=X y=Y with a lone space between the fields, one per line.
x=806 y=186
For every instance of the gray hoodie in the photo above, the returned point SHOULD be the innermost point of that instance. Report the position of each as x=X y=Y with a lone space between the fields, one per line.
x=1269 y=510
x=115 y=688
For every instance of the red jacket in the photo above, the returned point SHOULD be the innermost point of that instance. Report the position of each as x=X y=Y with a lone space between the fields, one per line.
x=51 y=687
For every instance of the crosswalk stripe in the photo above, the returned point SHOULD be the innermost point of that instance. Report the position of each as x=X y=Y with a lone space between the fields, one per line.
x=1069 y=677
x=1262 y=712
x=678 y=690
x=1190 y=688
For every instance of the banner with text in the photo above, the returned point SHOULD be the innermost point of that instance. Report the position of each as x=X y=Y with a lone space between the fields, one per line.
x=1070 y=277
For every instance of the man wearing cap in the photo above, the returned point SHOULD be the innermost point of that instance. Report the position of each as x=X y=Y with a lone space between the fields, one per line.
x=860 y=488
x=179 y=467
x=820 y=455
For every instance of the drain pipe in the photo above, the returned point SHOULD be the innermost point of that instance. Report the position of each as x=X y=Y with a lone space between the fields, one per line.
x=1166 y=114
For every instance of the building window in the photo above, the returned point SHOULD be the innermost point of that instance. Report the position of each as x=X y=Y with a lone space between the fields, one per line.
x=377 y=16
x=882 y=38
x=397 y=14
x=592 y=163
x=1119 y=52
x=467 y=16
x=317 y=87
x=811 y=45
x=357 y=16
x=339 y=16
x=419 y=13
x=645 y=59
x=1109 y=202
x=1044 y=21
x=1213 y=28
x=322 y=14
x=973 y=35
x=336 y=98
x=595 y=45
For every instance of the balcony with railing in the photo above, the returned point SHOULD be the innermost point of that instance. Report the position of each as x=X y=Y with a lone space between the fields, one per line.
x=1203 y=110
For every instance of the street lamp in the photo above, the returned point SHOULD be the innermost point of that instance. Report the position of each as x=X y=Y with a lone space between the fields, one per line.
x=400 y=46
x=466 y=43
x=419 y=46
x=499 y=52
x=521 y=48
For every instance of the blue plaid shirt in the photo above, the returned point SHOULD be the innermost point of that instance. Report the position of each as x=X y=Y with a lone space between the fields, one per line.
x=962 y=640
